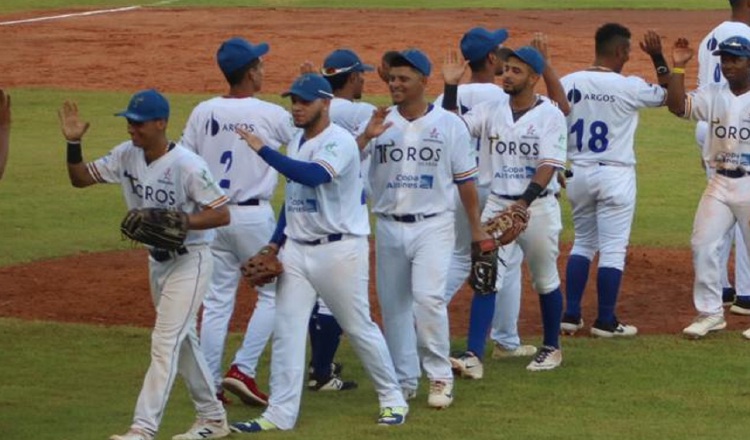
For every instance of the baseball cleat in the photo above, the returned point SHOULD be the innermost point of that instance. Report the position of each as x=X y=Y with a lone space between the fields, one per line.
x=727 y=295
x=616 y=330
x=500 y=352
x=333 y=383
x=704 y=324
x=467 y=365
x=570 y=325
x=244 y=387
x=205 y=429
x=746 y=334
x=441 y=394
x=548 y=358
x=133 y=434
x=254 y=425
x=336 y=369
x=393 y=415
x=741 y=305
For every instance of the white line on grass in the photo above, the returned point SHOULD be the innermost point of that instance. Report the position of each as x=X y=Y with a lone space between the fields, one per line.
x=83 y=14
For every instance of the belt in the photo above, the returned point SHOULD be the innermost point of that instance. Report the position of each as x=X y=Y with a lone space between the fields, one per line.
x=327 y=239
x=409 y=218
x=249 y=202
x=162 y=255
x=509 y=197
x=733 y=174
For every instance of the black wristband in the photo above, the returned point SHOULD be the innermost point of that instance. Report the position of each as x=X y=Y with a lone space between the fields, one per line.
x=531 y=193
x=450 y=97
x=75 y=155
x=660 y=64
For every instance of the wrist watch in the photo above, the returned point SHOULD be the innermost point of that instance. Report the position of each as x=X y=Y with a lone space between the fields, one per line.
x=662 y=70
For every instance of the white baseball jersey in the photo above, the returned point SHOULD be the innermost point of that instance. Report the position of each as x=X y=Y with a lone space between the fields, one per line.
x=415 y=164
x=469 y=95
x=727 y=144
x=351 y=115
x=178 y=180
x=210 y=132
x=604 y=114
x=709 y=66
x=336 y=207
x=517 y=148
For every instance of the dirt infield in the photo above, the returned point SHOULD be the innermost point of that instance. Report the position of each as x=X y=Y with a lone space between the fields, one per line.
x=173 y=50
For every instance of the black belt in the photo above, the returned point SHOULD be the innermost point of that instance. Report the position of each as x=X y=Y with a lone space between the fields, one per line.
x=733 y=174
x=249 y=202
x=509 y=197
x=409 y=218
x=327 y=239
x=162 y=255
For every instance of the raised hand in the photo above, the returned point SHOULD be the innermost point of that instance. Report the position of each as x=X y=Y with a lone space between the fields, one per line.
x=681 y=52
x=539 y=42
x=651 y=43
x=377 y=124
x=252 y=140
x=453 y=67
x=307 y=67
x=72 y=127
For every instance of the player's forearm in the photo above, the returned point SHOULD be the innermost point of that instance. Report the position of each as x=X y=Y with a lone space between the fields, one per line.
x=662 y=69
x=209 y=218
x=676 y=91
x=555 y=90
x=539 y=181
x=77 y=171
x=467 y=190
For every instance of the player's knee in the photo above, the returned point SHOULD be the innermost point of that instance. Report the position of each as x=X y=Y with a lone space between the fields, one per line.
x=547 y=284
x=585 y=250
x=613 y=259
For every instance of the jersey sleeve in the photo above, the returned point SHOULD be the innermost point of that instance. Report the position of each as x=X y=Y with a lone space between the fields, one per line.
x=201 y=186
x=336 y=153
x=463 y=154
x=284 y=129
x=474 y=119
x=554 y=140
x=697 y=104
x=190 y=134
x=645 y=94
x=108 y=169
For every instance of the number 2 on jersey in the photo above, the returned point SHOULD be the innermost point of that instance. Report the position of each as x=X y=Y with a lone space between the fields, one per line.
x=226 y=159
x=597 y=132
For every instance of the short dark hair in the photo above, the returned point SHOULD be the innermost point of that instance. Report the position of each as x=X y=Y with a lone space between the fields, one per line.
x=339 y=80
x=389 y=56
x=609 y=36
x=234 y=78
x=400 y=61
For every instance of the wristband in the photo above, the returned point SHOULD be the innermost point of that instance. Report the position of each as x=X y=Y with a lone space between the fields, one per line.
x=450 y=97
x=678 y=70
x=75 y=156
x=531 y=193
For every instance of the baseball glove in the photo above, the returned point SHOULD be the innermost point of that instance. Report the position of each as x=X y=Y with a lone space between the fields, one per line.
x=483 y=266
x=507 y=224
x=263 y=267
x=158 y=227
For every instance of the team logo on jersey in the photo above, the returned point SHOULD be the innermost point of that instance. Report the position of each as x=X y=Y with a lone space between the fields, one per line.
x=730 y=132
x=512 y=148
x=575 y=96
x=531 y=132
x=411 y=181
x=214 y=126
x=330 y=148
x=424 y=155
x=712 y=43
x=208 y=180
x=434 y=136
x=745 y=160
x=149 y=193
x=425 y=181
x=166 y=178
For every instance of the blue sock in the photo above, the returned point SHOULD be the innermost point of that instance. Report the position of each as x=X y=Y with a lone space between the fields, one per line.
x=608 y=286
x=480 y=321
x=329 y=335
x=576 y=277
x=551 y=305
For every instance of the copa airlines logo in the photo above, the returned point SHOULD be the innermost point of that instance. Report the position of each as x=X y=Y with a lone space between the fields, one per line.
x=214 y=127
x=149 y=193
x=575 y=96
x=412 y=181
x=512 y=147
x=424 y=155
x=302 y=205
x=515 y=172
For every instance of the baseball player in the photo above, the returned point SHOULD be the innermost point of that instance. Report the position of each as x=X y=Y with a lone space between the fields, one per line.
x=526 y=136
x=602 y=123
x=419 y=151
x=249 y=183
x=344 y=71
x=4 y=130
x=709 y=72
x=726 y=200
x=157 y=173
x=322 y=233
x=481 y=50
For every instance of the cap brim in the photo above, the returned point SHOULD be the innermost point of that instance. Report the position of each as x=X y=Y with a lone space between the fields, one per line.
x=409 y=62
x=499 y=36
x=261 y=49
x=737 y=53
x=132 y=116
x=305 y=96
x=367 y=68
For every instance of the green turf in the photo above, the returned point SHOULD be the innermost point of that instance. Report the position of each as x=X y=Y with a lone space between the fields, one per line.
x=19 y=5
x=80 y=382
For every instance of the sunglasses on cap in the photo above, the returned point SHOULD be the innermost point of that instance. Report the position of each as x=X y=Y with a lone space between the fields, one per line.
x=331 y=71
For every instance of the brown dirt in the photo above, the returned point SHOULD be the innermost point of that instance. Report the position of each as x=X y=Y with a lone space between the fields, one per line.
x=174 y=49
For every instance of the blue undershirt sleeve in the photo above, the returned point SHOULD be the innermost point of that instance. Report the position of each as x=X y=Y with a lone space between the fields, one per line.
x=307 y=173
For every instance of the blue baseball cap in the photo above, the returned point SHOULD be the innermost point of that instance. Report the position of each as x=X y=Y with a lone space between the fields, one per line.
x=478 y=42
x=343 y=61
x=737 y=46
x=310 y=87
x=237 y=52
x=528 y=55
x=146 y=105
x=416 y=59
